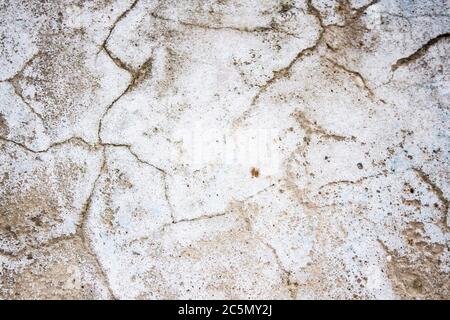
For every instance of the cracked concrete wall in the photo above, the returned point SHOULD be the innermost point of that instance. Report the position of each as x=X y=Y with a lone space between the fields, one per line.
x=102 y=196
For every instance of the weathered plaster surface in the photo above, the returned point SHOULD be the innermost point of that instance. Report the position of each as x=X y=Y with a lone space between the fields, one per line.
x=102 y=198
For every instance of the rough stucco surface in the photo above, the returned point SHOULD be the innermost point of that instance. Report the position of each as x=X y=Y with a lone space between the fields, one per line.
x=101 y=196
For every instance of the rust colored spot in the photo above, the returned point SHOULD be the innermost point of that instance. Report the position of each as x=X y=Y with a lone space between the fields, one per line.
x=255 y=172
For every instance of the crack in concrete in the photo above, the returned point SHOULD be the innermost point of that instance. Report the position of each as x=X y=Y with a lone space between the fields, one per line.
x=81 y=141
x=351 y=182
x=70 y=140
x=311 y=128
x=14 y=82
x=80 y=232
x=81 y=225
x=274 y=27
x=416 y=16
x=118 y=62
x=419 y=53
x=166 y=196
x=286 y=276
x=363 y=83
x=386 y=248
x=135 y=155
x=285 y=71
x=352 y=15
x=84 y=212
x=82 y=228
x=439 y=194
x=19 y=92
x=202 y=217
x=302 y=200
x=118 y=19
x=164 y=173
x=137 y=76
x=216 y=215
x=360 y=11
x=258 y=192
x=19 y=73
x=277 y=75
x=18 y=254
x=312 y=10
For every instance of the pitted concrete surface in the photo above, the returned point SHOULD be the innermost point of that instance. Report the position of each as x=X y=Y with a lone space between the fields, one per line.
x=224 y=149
